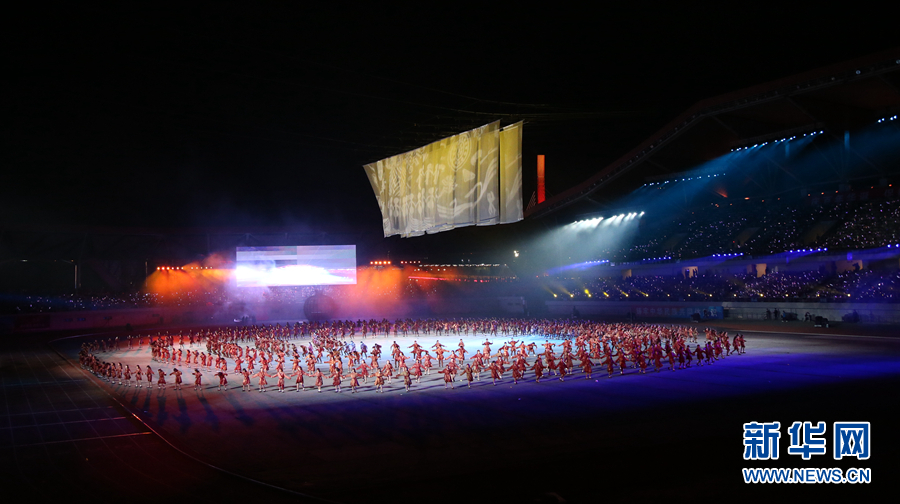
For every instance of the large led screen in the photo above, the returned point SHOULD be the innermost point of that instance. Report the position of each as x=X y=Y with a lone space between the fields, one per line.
x=300 y=265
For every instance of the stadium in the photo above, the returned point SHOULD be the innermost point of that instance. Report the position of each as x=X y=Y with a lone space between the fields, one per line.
x=756 y=232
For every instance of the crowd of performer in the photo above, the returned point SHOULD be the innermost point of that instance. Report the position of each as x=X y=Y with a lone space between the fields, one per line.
x=286 y=353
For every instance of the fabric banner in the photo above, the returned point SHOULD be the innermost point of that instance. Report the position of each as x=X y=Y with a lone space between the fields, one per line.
x=511 y=174
x=454 y=182
x=488 y=199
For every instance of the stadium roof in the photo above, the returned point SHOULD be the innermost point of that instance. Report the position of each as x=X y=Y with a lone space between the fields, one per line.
x=833 y=99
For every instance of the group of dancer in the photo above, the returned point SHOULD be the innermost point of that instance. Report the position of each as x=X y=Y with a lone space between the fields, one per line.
x=258 y=353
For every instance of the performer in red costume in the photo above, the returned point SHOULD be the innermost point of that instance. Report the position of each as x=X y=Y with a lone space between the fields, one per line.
x=262 y=379
x=495 y=372
x=469 y=375
x=198 y=377
x=404 y=373
x=379 y=381
x=336 y=379
x=279 y=373
x=320 y=379
x=448 y=377
x=298 y=373
x=245 y=386
x=177 y=374
x=223 y=380
x=538 y=368
x=354 y=380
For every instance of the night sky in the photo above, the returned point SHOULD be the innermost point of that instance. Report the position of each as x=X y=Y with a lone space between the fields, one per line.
x=236 y=115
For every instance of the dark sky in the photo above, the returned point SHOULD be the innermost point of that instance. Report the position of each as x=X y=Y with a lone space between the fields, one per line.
x=239 y=115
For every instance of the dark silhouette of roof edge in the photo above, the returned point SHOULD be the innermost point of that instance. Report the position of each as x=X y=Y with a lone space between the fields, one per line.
x=831 y=75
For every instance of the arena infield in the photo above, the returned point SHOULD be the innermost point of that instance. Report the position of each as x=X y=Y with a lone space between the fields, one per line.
x=666 y=435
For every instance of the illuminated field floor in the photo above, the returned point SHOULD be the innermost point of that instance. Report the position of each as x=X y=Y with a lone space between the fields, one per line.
x=666 y=435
